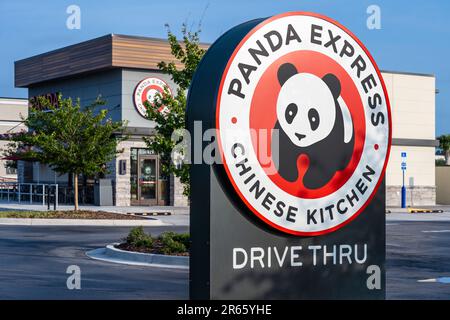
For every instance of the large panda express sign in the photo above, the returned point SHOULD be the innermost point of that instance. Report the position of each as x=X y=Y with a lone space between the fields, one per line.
x=315 y=83
x=304 y=130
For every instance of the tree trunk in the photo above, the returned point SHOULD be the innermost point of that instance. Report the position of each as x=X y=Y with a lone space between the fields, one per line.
x=75 y=186
x=447 y=157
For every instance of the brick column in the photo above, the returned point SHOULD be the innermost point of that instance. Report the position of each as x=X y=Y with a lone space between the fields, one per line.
x=177 y=198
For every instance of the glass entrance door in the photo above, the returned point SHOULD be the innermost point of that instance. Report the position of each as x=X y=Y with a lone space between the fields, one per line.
x=148 y=185
x=147 y=180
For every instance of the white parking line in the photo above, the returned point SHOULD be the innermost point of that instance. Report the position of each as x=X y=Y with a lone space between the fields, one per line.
x=445 y=280
x=428 y=280
x=436 y=231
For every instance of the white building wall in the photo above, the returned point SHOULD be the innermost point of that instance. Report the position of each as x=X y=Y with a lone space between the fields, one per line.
x=412 y=99
x=11 y=113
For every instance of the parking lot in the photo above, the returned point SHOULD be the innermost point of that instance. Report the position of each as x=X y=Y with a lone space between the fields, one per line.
x=34 y=260
x=417 y=251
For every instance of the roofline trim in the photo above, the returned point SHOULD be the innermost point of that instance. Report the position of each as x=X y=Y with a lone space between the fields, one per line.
x=409 y=73
x=118 y=35
x=111 y=35
x=63 y=48
x=13 y=98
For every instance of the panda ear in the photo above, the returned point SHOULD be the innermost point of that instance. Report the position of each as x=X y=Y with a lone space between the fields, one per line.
x=286 y=71
x=333 y=83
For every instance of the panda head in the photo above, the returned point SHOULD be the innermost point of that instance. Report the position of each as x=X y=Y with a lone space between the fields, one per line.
x=306 y=105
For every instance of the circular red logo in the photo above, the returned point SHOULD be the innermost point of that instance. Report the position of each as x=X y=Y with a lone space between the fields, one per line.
x=304 y=123
x=146 y=91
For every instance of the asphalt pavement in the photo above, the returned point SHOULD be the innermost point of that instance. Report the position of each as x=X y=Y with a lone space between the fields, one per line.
x=417 y=251
x=34 y=259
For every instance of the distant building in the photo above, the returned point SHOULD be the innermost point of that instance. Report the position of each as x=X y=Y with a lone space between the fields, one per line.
x=413 y=106
x=11 y=110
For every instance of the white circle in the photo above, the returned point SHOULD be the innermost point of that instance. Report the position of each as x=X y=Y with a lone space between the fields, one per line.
x=234 y=106
x=158 y=87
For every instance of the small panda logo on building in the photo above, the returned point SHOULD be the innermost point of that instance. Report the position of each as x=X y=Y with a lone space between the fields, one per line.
x=146 y=91
x=304 y=124
x=312 y=120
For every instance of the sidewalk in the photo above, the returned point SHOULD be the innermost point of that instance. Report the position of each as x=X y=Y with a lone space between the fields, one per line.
x=6 y=206
x=82 y=222
x=444 y=208
x=438 y=217
x=402 y=214
x=179 y=216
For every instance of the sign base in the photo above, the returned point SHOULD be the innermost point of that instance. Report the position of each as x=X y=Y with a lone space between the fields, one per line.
x=235 y=256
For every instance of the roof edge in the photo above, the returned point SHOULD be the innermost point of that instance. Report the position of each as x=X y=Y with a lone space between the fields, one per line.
x=63 y=48
x=406 y=73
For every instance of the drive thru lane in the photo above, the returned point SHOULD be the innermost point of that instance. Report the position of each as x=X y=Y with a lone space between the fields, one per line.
x=34 y=259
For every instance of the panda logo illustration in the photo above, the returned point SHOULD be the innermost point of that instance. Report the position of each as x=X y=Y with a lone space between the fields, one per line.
x=312 y=120
x=303 y=140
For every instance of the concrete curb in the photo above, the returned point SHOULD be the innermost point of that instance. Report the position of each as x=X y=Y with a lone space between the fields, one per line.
x=80 y=222
x=418 y=217
x=114 y=255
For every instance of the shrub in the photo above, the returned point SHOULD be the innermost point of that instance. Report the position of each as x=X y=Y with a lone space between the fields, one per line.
x=174 y=243
x=138 y=238
x=184 y=238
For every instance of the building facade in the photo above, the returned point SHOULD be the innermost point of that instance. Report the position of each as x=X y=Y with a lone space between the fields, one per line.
x=110 y=67
x=118 y=68
x=412 y=98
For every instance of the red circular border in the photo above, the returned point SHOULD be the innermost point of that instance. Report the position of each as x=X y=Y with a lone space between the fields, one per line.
x=139 y=83
x=388 y=106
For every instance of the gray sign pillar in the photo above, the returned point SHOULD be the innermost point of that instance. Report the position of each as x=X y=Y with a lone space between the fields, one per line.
x=234 y=255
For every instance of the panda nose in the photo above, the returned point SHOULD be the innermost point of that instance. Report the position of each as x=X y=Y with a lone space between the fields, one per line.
x=300 y=136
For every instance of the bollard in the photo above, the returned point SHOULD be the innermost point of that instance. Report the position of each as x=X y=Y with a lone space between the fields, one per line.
x=403 y=197
x=48 y=198
x=54 y=198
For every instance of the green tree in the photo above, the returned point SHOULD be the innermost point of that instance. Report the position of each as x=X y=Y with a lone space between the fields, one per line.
x=69 y=139
x=444 y=144
x=187 y=54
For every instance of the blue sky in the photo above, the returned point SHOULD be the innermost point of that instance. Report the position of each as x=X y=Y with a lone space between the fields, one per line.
x=414 y=35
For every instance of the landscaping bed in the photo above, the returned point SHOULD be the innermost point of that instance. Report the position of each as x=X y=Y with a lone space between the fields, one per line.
x=168 y=243
x=87 y=215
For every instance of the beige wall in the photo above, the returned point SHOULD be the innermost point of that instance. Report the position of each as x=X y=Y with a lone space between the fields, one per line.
x=11 y=111
x=420 y=166
x=443 y=185
x=412 y=101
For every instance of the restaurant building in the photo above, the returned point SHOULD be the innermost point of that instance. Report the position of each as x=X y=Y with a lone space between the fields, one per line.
x=123 y=71
x=120 y=69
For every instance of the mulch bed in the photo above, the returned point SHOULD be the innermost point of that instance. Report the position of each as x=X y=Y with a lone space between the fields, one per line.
x=83 y=215
x=156 y=249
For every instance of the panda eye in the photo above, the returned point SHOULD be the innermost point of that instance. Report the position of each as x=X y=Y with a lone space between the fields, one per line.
x=314 y=119
x=291 y=112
